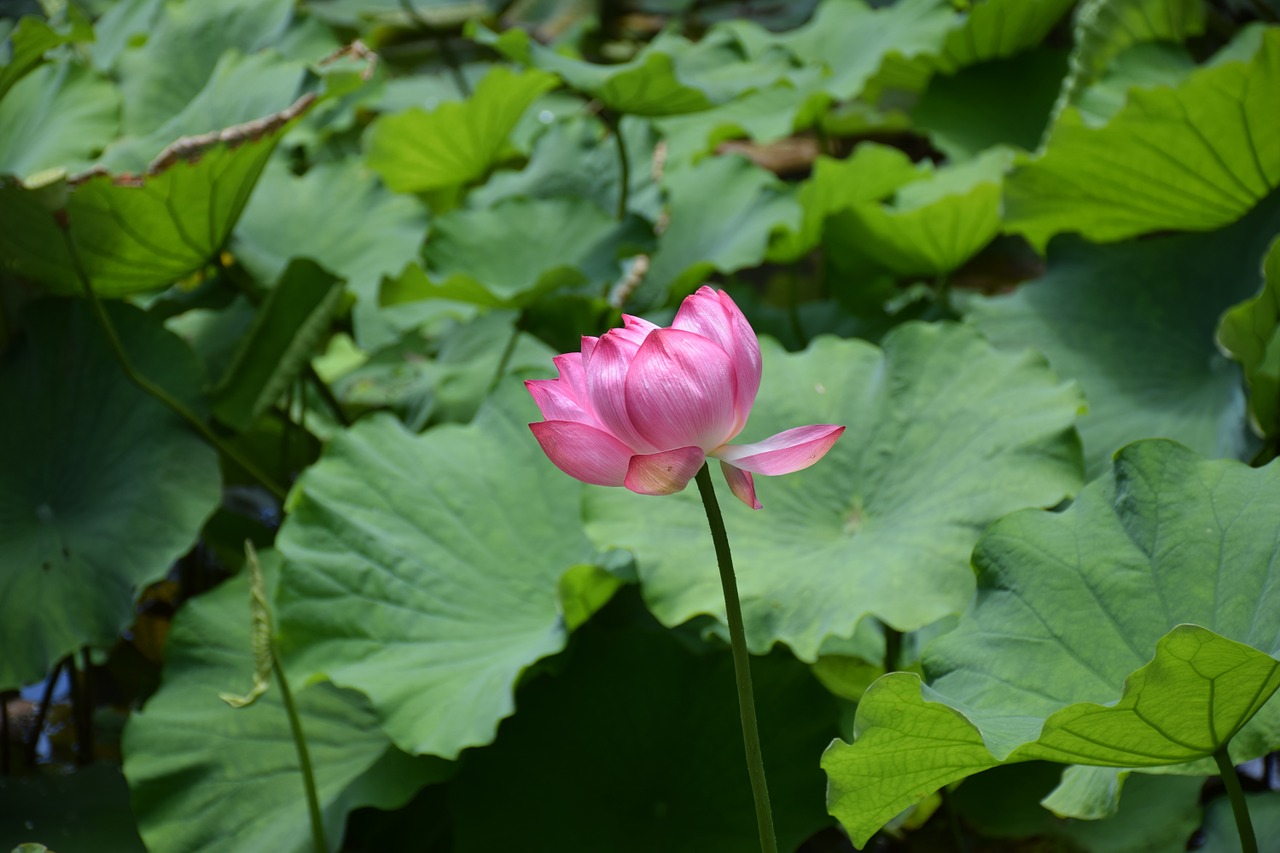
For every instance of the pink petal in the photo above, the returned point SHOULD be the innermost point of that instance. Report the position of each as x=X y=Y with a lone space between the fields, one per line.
x=584 y=452
x=740 y=483
x=557 y=401
x=607 y=367
x=573 y=373
x=588 y=346
x=665 y=472
x=680 y=391
x=715 y=316
x=783 y=453
x=634 y=329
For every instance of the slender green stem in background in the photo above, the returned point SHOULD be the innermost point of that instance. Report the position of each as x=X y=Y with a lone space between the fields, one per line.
x=159 y=393
x=624 y=164
x=953 y=822
x=5 y=763
x=741 y=662
x=304 y=759
x=1248 y=841
x=80 y=718
x=42 y=712
x=505 y=359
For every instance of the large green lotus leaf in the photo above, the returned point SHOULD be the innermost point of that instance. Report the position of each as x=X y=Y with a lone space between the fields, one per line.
x=853 y=40
x=1001 y=102
x=636 y=746
x=563 y=241
x=998 y=29
x=125 y=22
x=577 y=158
x=458 y=142
x=765 y=115
x=1135 y=325
x=84 y=810
x=445 y=376
x=871 y=173
x=1250 y=334
x=1137 y=628
x=424 y=569
x=944 y=435
x=209 y=777
x=30 y=40
x=61 y=116
x=104 y=487
x=670 y=76
x=184 y=43
x=1106 y=28
x=132 y=234
x=1158 y=815
x=241 y=89
x=314 y=216
x=932 y=225
x=1143 y=65
x=1197 y=156
x=723 y=212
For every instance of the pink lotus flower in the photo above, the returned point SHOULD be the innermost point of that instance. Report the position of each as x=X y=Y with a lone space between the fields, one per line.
x=644 y=406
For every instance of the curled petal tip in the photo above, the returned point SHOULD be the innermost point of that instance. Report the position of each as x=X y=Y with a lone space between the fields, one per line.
x=741 y=484
x=784 y=453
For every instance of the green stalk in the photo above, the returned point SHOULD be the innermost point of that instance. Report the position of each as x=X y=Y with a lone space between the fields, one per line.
x=304 y=759
x=741 y=663
x=1248 y=841
x=176 y=405
x=624 y=164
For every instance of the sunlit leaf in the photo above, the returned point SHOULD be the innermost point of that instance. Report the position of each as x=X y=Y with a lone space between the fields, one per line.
x=1194 y=157
x=458 y=142
x=1250 y=334
x=932 y=224
x=133 y=233
x=674 y=782
x=205 y=775
x=944 y=435
x=998 y=29
x=104 y=486
x=1105 y=28
x=1135 y=325
x=446 y=551
x=1153 y=645
x=871 y=173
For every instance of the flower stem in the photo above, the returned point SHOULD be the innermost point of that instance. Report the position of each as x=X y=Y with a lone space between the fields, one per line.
x=624 y=164
x=1248 y=841
x=304 y=760
x=741 y=662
